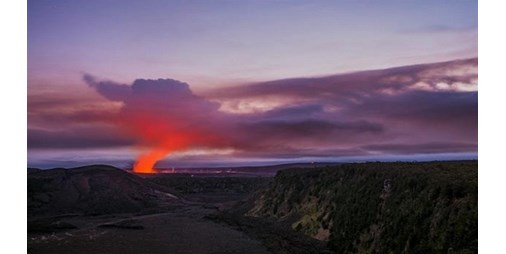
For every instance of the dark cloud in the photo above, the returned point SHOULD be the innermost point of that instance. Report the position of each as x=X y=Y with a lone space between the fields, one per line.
x=422 y=107
x=110 y=90
x=287 y=152
x=293 y=112
x=411 y=104
x=161 y=97
x=56 y=119
x=358 y=85
x=314 y=129
x=435 y=147
x=83 y=137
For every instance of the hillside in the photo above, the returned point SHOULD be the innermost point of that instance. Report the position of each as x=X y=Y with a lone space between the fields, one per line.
x=379 y=207
x=96 y=189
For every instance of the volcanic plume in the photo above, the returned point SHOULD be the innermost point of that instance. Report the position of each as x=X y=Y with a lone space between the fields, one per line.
x=164 y=115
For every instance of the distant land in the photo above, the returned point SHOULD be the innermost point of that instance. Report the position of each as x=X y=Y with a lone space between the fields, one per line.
x=269 y=170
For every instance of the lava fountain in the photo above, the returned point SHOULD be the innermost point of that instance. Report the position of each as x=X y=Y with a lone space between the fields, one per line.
x=146 y=162
x=170 y=141
x=165 y=135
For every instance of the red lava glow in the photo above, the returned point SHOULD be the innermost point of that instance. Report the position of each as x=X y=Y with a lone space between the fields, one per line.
x=171 y=142
x=146 y=162
x=164 y=137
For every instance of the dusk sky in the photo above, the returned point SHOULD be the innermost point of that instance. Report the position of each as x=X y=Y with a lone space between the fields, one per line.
x=216 y=83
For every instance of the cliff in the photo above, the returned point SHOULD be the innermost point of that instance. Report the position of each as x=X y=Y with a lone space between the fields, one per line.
x=379 y=207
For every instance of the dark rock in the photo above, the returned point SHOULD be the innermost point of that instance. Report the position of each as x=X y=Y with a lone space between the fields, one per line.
x=124 y=224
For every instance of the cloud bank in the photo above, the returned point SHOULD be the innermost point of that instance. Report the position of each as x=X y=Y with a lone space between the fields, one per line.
x=409 y=110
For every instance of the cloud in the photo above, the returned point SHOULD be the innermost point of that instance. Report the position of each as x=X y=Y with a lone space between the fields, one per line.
x=429 y=108
x=434 y=147
x=270 y=134
x=458 y=75
x=110 y=90
x=84 y=137
x=166 y=100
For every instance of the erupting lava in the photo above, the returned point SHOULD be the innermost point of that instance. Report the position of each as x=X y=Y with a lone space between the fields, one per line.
x=164 y=138
x=146 y=162
x=170 y=142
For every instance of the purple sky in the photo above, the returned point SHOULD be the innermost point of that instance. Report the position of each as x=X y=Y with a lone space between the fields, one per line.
x=273 y=81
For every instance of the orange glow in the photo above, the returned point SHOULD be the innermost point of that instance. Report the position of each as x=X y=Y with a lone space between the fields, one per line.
x=164 y=137
x=146 y=162
x=170 y=142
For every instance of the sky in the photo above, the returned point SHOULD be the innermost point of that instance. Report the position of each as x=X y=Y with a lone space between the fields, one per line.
x=216 y=83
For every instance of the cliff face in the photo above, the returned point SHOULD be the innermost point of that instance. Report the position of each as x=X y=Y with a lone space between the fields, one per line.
x=379 y=207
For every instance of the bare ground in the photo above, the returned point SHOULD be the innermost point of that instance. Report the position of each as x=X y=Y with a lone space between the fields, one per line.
x=182 y=229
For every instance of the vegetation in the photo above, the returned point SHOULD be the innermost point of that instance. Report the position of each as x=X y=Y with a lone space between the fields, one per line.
x=380 y=207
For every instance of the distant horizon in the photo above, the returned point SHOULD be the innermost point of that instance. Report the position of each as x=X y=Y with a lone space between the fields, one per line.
x=273 y=164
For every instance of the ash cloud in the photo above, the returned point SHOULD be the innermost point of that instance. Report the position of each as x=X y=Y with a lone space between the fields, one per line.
x=152 y=107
